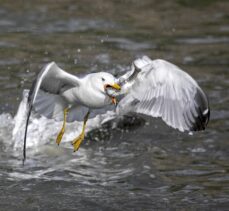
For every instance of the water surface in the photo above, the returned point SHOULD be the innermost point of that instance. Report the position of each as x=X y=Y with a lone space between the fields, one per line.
x=131 y=163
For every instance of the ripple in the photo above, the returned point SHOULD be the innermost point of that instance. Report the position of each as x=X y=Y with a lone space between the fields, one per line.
x=203 y=40
x=77 y=25
x=4 y=44
x=10 y=61
x=127 y=44
x=193 y=172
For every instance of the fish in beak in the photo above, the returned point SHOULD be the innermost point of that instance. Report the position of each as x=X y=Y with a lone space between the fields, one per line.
x=114 y=86
x=114 y=100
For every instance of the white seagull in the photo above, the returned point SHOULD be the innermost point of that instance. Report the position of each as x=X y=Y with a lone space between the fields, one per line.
x=152 y=87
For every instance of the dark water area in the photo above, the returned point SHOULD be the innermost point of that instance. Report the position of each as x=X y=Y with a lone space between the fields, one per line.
x=131 y=163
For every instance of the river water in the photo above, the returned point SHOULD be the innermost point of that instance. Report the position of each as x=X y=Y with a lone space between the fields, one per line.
x=130 y=163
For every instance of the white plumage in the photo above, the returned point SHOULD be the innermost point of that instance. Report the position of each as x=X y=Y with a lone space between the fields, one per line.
x=152 y=87
x=161 y=89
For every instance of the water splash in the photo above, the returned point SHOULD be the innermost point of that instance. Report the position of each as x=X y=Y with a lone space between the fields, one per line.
x=42 y=130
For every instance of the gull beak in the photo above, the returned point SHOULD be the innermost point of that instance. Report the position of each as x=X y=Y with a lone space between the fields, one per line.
x=114 y=86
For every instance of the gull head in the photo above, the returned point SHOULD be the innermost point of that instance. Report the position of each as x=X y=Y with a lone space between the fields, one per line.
x=106 y=83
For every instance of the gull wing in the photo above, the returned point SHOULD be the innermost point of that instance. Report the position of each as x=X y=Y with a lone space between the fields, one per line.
x=51 y=80
x=160 y=89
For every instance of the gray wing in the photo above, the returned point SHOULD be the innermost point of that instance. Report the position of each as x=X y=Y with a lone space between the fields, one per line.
x=44 y=93
x=161 y=89
x=52 y=79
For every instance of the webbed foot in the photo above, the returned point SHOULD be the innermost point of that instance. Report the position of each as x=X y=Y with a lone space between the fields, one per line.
x=77 y=141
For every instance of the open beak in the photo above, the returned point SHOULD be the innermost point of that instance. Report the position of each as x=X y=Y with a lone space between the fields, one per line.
x=114 y=86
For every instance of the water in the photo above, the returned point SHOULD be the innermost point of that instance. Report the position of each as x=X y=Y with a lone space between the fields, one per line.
x=131 y=163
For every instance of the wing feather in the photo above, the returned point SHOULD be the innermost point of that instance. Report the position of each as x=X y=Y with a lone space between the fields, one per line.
x=161 y=89
x=53 y=80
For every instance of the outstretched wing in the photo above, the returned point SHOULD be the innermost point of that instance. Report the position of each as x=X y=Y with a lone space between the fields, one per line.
x=161 y=89
x=51 y=80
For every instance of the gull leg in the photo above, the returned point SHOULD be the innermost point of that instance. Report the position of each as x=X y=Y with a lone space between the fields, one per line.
x=77 y=141
x=61 y=133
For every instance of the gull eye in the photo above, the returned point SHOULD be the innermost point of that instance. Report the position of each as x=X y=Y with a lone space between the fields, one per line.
x=103 y=79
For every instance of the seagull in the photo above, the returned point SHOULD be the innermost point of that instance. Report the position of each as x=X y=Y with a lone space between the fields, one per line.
x=156 y=88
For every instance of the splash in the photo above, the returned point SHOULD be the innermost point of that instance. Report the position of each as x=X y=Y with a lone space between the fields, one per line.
x=42 y=130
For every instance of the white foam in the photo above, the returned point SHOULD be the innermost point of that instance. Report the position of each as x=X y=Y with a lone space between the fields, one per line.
x=42 y=130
